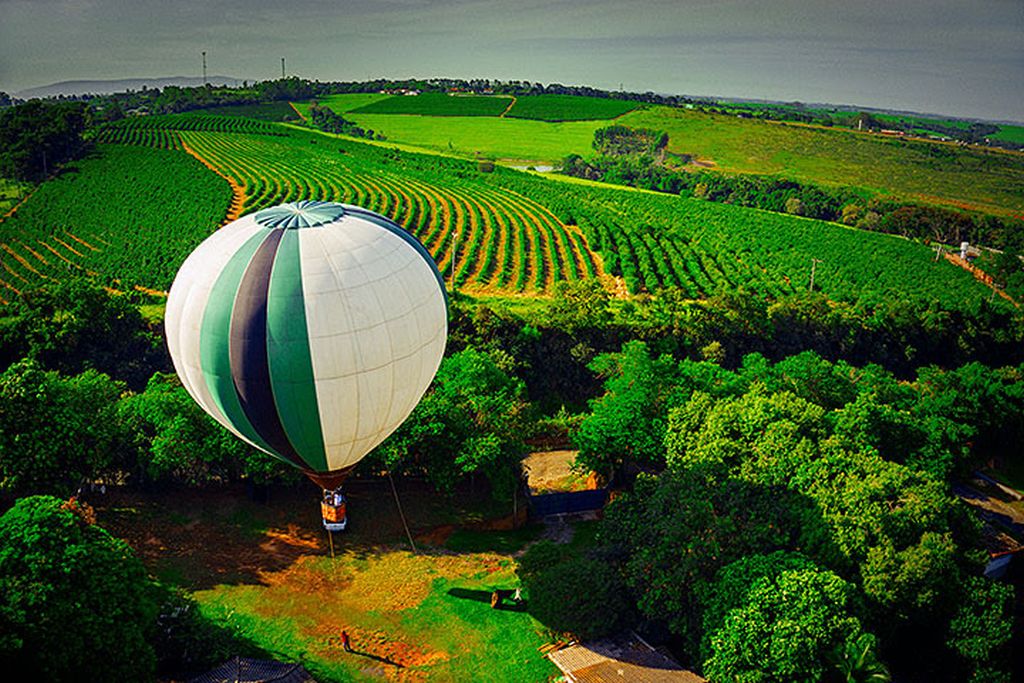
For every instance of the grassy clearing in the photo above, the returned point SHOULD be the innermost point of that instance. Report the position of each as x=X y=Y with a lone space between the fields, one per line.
x=438 y=104
x=409 y=617
x=264 y=572
x=498 y=138
x=569 y=108
x=973 y=178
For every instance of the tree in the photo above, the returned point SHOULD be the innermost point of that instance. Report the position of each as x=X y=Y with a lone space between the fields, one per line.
x=785 y=629
x=56 y=431
x=672 y=533
x=37 y=136
x=175 y=440
x=578 y=304
x=981 y=630
x=628 y=422
x=733 y=583
x=75 y=603
x=857 y=661
x=471 y=421
x=74 y=325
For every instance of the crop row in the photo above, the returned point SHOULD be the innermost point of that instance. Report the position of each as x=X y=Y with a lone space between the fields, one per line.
x=128 y=214
x=135 y=213
x=209 y=123
x=134 y=135
x=653 y=241
x=473 y=232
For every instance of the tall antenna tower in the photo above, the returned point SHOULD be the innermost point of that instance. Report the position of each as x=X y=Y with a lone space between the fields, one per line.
x=282 y=67
x=204 y=67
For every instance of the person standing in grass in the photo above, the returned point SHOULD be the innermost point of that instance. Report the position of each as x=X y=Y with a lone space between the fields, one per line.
x=344 y=641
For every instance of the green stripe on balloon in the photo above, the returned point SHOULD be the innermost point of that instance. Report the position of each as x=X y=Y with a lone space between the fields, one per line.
x=215 y=336
x=291 y=363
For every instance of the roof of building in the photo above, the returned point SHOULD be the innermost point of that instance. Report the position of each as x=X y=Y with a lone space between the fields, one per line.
x=622 y=658
x=244 y=670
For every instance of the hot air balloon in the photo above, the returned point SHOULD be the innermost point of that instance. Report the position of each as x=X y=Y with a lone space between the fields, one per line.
x=310 y=330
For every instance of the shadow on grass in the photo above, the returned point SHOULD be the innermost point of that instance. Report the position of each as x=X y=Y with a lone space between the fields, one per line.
x=202 y=538
x=502 y=542
x=187 y=643
x=377 y=658
x=504 y=603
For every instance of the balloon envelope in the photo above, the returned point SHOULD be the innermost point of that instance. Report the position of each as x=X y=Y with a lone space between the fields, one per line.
x=311 y=330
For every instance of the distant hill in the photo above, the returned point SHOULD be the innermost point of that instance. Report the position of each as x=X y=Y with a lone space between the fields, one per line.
x=107 y=87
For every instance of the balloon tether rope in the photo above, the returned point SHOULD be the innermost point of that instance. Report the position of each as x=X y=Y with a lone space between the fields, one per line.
x=400 y=513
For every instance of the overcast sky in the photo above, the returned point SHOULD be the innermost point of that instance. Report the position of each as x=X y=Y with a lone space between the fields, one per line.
x=959 y=57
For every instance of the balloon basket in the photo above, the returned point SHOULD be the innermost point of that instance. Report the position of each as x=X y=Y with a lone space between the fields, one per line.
x=333 y=510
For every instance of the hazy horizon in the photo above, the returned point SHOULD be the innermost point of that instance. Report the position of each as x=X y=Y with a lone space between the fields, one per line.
x=932 y=56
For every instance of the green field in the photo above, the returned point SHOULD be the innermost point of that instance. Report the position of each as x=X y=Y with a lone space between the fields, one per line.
x=343 y=103
x=498 y=233
x=569 y=108
x=972 y=178
x=519 y=141
x=1010 y=134
x=126 y=212
x=437 y=104
x=979 y=179
x=268 y=111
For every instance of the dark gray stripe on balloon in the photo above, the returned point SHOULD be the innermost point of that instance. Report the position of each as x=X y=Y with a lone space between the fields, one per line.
x=250 y=366
x=396 y=229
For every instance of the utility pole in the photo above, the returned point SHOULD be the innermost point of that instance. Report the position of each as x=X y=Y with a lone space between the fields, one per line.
x=814 y=264
x=282 y=68
x=204 y=68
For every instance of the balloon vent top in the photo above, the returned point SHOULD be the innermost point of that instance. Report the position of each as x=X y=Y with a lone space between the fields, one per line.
x=304 y=214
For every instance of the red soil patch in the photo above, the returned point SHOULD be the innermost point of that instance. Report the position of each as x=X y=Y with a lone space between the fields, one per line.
x=385 y=656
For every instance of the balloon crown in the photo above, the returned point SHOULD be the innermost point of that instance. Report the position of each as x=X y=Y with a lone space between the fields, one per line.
x=304 y=214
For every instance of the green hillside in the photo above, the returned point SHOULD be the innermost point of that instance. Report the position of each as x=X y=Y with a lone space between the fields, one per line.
x=939 y=173
x=127 y=212
x=972 y=178
x=503 y=232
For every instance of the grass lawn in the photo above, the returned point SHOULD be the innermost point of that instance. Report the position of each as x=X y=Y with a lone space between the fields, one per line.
x=409 y=617
x=264 y=572
x=519 y=140
x=974 y=178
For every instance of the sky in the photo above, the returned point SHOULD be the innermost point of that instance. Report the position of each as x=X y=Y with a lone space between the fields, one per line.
x=955 y=57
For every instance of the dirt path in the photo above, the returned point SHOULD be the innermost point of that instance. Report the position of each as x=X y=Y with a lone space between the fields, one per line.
x=509 y=107
x=979 y=275
x=237 y=191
